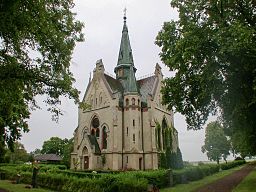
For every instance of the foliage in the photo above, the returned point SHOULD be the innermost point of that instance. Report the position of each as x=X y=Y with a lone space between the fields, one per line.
x=195 y=185
x=65 y=180
x=225 y=166
x=37 y=39
x=216 y=144
x=58 y=146
x=19 y=154
x=68 y=148
x=211 y=48
x=54 y=145
x=163 y=161
x=168 y=158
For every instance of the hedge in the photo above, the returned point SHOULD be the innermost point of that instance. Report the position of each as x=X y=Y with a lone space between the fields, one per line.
x=136 y=181
x=229 y=165
x=194 y=173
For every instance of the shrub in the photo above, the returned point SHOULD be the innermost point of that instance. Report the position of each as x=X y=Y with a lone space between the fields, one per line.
x=229 y=165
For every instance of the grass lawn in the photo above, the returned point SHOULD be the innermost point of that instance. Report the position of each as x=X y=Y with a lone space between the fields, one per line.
x=248 y=184
x=7 y=185
x=192 y=186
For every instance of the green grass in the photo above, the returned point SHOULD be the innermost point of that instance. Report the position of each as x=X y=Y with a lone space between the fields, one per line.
x=7 y=185
x=192 y=186
x=248 y=184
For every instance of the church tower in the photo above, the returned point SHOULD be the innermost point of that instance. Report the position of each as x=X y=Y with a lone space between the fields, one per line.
x=132 y=129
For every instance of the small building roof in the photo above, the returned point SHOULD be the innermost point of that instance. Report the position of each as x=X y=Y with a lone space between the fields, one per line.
x=48 y=157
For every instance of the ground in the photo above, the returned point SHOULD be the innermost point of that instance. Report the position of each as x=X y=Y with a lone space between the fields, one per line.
x=229 y=182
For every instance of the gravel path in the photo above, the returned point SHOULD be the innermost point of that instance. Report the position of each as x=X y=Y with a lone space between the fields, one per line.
x=229 y=182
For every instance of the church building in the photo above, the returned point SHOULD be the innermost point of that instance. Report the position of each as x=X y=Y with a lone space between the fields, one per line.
x=125 y=126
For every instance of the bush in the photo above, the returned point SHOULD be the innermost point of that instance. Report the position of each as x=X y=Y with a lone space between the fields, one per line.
x=193 y=173
x=160 y=178
x=229 y=165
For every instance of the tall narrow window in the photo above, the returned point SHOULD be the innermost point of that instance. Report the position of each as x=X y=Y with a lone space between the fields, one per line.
x=127 y=102
x=97 y=132
x=126 y=159
x=104 y=138
x=133 y=122
x=133 y=101
x=127 y=131
x=133 y=138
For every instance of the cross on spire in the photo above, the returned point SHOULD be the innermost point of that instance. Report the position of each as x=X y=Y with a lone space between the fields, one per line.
x=125 y=10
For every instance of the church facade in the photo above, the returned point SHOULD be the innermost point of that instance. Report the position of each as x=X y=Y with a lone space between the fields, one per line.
x=124 y=125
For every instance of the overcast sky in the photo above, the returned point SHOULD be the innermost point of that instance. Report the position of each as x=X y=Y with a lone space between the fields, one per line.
x=103 y=21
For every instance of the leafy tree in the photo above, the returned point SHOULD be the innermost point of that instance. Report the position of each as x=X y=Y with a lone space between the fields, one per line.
x=54 y=145
x=216 y=144
x=37 y=39
x=68 y=148
x=211 y=48
x=61 y=147
x=19 y=154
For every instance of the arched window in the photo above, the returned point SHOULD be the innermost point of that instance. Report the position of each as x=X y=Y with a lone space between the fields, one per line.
x=97 y=132
x=95 y=122
x=164 y=136
x=104 y=138
x=159 y=138
x=127 y=102
x=85 y=151
x=133 y=101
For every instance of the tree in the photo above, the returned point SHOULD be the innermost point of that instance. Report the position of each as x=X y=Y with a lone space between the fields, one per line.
x=19 y=154
x=61 y=147
x=37 y=39
x=211 y=48
x=68 y=148
x=54 y=145
x=216 y=144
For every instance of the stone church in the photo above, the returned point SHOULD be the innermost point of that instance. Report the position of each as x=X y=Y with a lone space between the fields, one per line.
x=124 y=125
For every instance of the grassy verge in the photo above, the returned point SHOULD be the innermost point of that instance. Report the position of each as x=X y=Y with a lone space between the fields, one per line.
x=248 y=184
x=7 y=185
x=192 y=186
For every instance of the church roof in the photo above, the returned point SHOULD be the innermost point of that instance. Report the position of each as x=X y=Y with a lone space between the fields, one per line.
x=48 y=157
x=114 y=84
x=146 y=87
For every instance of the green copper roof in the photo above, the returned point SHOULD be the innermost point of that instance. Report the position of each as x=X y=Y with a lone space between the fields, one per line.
x=125 y=51
x=125 y=63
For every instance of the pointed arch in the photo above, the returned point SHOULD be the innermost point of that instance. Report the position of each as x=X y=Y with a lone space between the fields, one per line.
x=85 y=151
x=94 y=125
x=164 y=136
x=104 y=136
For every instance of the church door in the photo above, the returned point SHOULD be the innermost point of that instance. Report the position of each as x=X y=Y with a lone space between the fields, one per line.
x=86 y=162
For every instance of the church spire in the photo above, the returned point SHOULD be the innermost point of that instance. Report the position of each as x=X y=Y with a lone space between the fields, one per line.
x=125 y=70
x=125 y=52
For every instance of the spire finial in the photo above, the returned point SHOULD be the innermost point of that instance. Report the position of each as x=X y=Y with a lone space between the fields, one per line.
x=125 y=10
